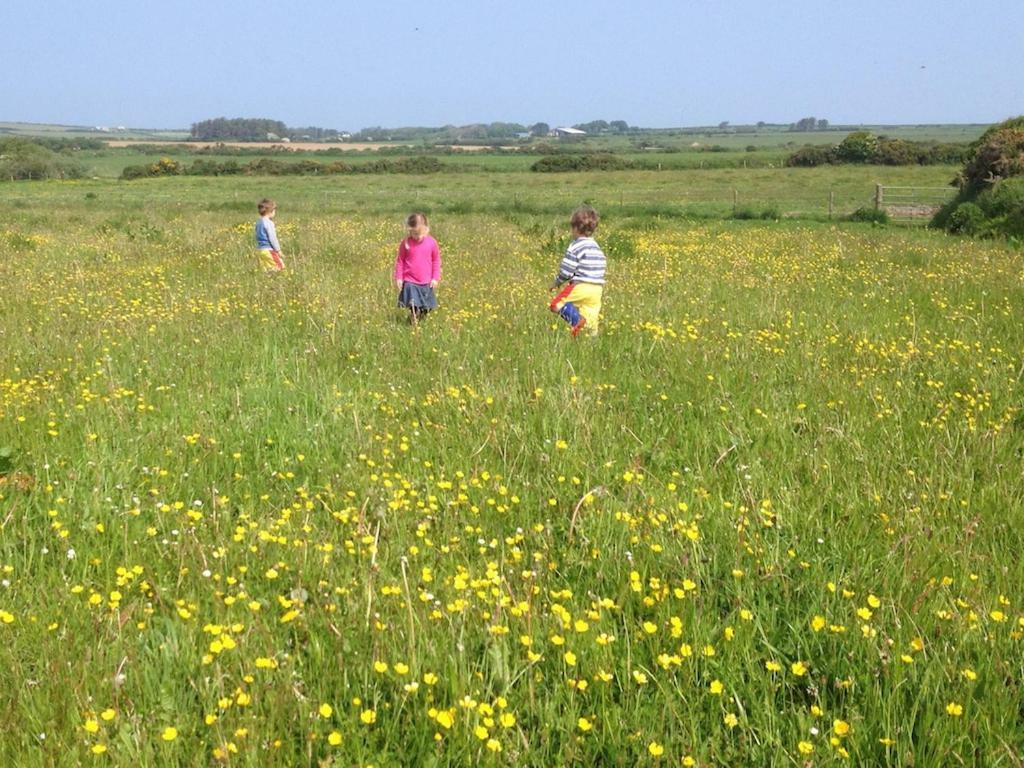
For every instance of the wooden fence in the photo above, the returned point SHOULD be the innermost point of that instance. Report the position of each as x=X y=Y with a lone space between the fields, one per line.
x=912 y=203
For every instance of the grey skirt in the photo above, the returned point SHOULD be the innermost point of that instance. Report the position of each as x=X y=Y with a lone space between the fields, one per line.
x=417 y=296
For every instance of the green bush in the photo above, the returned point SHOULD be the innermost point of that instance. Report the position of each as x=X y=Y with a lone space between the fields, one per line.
x=1004 y=199
x=165 y=166
x=130 y=172
x=942 y=154
x=1004 y=206
x=590 y=162
x=858 y=147
x=266 y=166
x=998 y=154
x=894 y=152
x=402 y=165
x=749 y=212
x=22 y=159
x=862 y=147
x=869 y=214
x=966 y=219
x=812 y=156
x=992 y=184
x=213 y=168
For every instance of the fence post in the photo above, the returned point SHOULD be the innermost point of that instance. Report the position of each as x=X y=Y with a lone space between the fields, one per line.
x=831 y=203
x=735 y=199
x=878 y=197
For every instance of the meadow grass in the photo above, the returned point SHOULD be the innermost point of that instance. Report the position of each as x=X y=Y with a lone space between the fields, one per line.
x=636 y=194
x=770 y=515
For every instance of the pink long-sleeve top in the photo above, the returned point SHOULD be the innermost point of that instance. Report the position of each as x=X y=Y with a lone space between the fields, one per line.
x=419 y=261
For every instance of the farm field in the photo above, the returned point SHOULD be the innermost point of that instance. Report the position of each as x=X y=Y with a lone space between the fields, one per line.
x=771 y=515
x=497 y=191
x=740 y=148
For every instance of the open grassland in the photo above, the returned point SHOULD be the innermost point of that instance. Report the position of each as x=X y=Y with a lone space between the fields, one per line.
x=667 y=149
x=639 y=195
x=771 y=515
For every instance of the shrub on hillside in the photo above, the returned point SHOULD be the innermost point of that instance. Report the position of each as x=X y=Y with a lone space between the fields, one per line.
x=858 y=147
x=993 y=181
x=204 y=167
x=870 y=215
x=998 y=154
x=21 y=159
x=266 y=166
x=1004 y=207
x=749 y=213
x=863 y=147
x=942 y=154
x=967 y=219
x=68 y=144
x=402 y=165
x=165 y=166
x=590 y=162
x=894 y=152
x=812 y=156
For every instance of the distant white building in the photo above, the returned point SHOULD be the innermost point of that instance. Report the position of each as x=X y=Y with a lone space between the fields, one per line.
x=569 y=132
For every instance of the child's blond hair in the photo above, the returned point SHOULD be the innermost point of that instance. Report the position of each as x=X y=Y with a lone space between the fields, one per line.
x=265 y=206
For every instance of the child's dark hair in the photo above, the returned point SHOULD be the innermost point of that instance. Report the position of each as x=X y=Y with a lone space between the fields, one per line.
x=584 y=220
x=416 y=220
x=265 y=206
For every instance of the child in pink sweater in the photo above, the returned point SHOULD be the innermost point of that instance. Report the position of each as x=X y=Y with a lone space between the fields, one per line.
x=417 y=268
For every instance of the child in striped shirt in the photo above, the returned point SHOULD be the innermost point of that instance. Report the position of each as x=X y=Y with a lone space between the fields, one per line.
x=581 y=275
x=267 y=245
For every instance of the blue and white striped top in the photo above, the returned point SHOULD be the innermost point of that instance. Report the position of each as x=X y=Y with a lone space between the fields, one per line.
x=584 y=262
x=266 y=235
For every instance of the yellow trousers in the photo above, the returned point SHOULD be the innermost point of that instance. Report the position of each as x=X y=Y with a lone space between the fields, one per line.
x=586 y=297
x=270 y=260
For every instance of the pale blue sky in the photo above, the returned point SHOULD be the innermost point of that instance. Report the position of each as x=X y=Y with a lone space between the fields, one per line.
x=658 y=64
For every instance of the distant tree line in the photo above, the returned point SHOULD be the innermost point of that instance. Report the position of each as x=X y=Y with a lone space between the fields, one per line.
x=806 y=124
x=255 y=129
x=481 y=133
x=866 y=148
x=475 y=133
x=167 y=166
x=262 y=129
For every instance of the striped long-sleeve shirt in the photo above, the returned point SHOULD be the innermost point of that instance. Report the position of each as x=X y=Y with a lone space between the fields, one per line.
x=584 y=262
x=266 y=234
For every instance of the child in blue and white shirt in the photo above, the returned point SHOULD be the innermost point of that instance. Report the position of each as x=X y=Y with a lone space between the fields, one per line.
x=266 y=237
x=581 y=275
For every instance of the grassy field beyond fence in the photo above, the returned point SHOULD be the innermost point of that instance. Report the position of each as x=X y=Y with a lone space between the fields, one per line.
x=708 y=193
